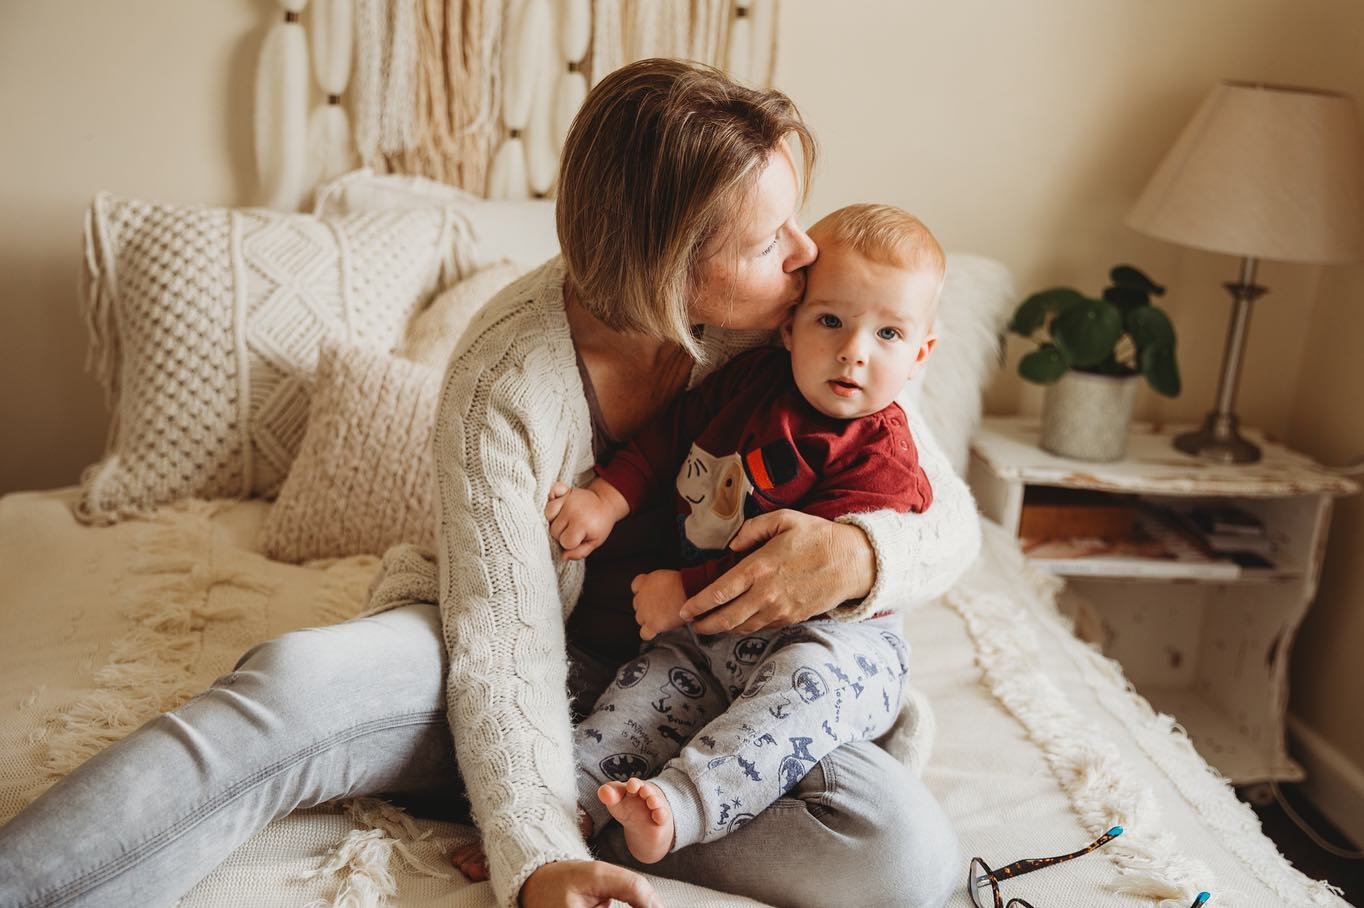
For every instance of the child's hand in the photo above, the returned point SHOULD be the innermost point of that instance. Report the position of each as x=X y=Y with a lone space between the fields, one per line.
x=581 y=519
x=658 y=600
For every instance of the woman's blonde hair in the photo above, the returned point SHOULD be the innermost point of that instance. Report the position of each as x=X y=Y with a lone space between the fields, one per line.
x=656 y=165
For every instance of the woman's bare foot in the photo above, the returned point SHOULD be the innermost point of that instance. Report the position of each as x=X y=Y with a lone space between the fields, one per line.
x=644 y=812
x=470 y=861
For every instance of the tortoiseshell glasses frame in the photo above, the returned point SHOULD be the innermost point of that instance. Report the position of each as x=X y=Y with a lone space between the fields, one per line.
x=979 y=876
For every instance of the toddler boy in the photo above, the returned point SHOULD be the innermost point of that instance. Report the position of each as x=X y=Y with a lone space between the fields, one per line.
x=723 y=725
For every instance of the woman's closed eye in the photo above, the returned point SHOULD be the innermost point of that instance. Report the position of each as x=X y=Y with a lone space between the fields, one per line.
x=770 y=246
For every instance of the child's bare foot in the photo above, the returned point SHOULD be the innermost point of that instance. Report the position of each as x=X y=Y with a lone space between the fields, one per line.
x=644 y=812
x=470 y=861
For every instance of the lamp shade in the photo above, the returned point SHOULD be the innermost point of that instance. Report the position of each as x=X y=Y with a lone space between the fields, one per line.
x=1263 y=171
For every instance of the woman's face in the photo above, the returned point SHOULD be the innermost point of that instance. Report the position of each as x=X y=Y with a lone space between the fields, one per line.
x=752 y=275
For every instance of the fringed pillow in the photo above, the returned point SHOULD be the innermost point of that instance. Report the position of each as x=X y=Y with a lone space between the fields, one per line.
x=362 y=480
x=205 y=325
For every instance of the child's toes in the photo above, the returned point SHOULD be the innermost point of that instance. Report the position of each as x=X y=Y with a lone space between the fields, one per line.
x=611 y=794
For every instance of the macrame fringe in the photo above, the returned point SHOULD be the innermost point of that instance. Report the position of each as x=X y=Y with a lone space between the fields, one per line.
x=180 y=580
x=364 y=858
x=1167 y=744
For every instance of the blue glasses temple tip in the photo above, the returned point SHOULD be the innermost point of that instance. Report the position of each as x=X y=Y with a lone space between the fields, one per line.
x=1116 y=830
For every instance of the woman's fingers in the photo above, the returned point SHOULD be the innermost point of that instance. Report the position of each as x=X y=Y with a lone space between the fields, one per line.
x=757 y=530
x=612 y=882
x=726 y=618
x=586 y=884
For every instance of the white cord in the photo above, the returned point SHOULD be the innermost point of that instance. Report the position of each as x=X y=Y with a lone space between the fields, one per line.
x=1349 y=469
x=1343 y=853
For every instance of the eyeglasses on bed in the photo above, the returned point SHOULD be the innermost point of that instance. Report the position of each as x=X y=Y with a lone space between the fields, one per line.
x=983 y=883
x=980 y=878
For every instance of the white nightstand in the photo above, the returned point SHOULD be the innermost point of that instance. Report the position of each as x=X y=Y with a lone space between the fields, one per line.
x=1207 y=643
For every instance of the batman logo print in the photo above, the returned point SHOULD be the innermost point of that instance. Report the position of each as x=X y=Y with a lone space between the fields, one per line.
x=620 y=767
x=688 y=683
x=633 y=672
x=749 y=650
x=809 y=683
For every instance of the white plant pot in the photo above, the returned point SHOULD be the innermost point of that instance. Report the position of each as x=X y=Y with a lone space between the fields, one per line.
x=1087 y=416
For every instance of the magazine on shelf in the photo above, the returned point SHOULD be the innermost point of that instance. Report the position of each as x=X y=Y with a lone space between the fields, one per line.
x=1163 y=542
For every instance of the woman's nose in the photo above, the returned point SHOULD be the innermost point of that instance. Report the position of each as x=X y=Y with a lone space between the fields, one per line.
x=803 y=249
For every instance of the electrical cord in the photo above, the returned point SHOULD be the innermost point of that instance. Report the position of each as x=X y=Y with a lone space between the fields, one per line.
x=1349 y=469
x=1342 y=853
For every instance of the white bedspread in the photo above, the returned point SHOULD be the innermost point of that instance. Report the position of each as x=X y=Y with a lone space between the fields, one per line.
x=1040 y=746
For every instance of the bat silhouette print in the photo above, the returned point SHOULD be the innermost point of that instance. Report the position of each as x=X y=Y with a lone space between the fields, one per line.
x=809 y=683
x=620 y=767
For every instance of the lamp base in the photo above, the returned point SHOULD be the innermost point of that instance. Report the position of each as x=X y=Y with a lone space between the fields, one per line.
x=1219 y=441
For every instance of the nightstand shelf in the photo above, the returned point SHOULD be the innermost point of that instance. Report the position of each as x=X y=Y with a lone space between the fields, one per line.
x=1206 y=641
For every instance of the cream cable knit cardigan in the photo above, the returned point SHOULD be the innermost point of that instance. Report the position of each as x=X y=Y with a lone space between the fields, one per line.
x=512 y=421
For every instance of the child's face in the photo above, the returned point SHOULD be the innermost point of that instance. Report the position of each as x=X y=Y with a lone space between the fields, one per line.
x=862 y=331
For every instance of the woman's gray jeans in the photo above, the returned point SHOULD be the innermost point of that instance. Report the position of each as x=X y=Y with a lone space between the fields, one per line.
x=359 y=708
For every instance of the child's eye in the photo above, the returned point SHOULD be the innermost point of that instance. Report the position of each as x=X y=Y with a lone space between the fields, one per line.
x=888 y=334
x=829 y=321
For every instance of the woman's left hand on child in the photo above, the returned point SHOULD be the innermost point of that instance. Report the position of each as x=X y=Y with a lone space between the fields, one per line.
x=806 y=566
x=658 y=601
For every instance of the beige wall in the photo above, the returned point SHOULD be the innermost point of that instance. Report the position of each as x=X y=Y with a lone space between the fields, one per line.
x=1019 y=130
x=1026 y=130
x=147 y=98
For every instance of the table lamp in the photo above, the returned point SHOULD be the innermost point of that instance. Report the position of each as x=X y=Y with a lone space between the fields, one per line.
x=1261 y=171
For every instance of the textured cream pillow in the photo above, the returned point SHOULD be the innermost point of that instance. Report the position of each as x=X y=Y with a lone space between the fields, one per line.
x=205 y=325
x=435 y=332
x=362 y=480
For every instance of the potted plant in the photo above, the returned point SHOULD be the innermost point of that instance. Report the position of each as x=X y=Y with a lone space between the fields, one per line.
x=1090 y=355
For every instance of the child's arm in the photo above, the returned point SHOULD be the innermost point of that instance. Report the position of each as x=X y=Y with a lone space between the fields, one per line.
x=581 y=519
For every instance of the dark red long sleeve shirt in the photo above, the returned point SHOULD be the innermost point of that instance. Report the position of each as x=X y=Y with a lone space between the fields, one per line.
x=745 y=442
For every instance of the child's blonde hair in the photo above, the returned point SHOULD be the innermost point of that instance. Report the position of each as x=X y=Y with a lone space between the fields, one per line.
x=885 y=234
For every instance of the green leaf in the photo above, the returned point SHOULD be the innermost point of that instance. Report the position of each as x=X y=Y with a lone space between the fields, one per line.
x=1044 y=365
x=1161 y=371
x=1033 y=311
x=1149 y=325
x=1125 y=297
x=1087 y=331
x=1127 y=276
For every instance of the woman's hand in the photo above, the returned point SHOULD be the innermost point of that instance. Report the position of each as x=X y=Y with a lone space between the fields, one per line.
x=807 y=565
x=586 y=884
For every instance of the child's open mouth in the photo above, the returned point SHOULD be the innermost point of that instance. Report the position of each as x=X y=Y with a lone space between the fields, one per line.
x=844 y=388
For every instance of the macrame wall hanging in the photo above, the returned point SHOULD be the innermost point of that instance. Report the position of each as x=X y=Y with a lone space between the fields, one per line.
x=475 y=93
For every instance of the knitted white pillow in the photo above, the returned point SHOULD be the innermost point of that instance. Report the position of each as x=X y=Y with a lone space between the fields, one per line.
x=205 y=325
x=522 y=230
x=434 y=333
x=362 y=480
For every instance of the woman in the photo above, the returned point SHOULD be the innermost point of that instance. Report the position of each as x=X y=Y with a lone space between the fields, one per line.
x=677 y=208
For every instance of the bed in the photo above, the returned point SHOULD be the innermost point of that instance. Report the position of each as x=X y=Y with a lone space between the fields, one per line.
x=125 y=595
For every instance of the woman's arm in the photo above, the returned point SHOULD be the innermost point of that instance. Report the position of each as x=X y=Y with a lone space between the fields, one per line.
x=851 y=568
x=502 y=612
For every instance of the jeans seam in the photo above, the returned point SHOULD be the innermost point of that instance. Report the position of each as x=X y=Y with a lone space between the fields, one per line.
x=203 y=811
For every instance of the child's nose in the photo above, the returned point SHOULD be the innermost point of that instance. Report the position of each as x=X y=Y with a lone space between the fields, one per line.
x=852 y=352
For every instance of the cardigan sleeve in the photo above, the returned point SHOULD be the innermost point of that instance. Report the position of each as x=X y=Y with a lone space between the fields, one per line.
x=502 y=612
x=918 y=556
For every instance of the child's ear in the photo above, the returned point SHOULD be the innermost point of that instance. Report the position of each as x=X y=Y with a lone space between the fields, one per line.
x=785 y=331
x=925 y=348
